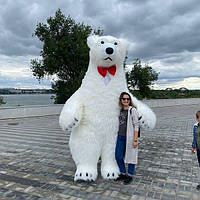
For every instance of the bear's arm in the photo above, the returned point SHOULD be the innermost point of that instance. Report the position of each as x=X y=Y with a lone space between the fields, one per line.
x=148 y=120
x=71 y=113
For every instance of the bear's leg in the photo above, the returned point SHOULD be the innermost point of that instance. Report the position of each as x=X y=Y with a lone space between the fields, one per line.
x=109 y=167
x=85 y=152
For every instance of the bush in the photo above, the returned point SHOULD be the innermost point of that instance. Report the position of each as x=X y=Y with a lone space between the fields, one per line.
x=2 y=100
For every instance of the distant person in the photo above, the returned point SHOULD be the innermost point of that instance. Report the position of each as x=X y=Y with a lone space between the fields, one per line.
x=196 y=140
x=127 y=140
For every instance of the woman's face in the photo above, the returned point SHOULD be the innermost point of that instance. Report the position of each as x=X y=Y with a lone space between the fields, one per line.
x=125 y=100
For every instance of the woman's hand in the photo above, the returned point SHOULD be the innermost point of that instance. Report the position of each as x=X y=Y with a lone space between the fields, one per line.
x=135 y=143
x=193 y=150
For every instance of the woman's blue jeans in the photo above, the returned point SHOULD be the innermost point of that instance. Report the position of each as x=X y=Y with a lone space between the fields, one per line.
x=119 y=155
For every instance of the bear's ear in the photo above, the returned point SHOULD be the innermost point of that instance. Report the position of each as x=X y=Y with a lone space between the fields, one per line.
x=124 y=43
x=91 y=40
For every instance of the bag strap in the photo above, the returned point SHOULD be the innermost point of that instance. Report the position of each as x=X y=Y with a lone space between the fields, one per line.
x=131 y=114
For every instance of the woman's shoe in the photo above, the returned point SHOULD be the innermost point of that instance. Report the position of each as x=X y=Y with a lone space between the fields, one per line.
x=128 y=180
x=121 y=177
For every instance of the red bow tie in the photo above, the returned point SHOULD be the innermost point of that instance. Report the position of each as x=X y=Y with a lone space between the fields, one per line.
x=103 y=70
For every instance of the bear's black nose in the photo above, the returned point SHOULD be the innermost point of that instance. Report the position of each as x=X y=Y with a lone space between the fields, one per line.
x=109 y=50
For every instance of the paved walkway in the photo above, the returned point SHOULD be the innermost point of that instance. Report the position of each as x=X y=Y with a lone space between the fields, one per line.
x=29 y=111
x=35 y=162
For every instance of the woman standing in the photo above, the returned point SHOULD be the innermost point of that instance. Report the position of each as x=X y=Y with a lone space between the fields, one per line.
x=127 y=140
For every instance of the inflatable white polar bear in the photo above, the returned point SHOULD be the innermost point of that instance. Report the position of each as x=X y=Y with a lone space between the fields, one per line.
x=91 y=113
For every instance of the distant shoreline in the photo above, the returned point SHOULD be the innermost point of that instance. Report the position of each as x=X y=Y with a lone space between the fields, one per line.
x=25 y=94
x=27 y=99
x=25 y=91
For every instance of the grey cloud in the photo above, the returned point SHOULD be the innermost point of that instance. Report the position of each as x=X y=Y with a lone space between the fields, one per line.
x=171 y=80
x=177 y=59
x=179 y=70
x=156 y=29
x=18 y=21
x=17 y=27
x=172 y=76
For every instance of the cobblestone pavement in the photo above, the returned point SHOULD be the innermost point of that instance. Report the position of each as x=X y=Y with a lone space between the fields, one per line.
x=35 y=162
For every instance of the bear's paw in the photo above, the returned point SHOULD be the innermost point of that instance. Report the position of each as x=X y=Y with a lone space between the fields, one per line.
x=67 y=125
x=110 y=172
x=85 y=173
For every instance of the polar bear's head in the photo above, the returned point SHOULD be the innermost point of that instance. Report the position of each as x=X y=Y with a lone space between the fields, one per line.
x=106 y=50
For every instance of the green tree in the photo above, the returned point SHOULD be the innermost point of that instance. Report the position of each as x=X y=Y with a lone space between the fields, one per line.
x=65 y=53
x=141 y=77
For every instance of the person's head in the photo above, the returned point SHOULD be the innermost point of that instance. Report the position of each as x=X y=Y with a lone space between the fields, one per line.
x=125 y=100
x=198 y=116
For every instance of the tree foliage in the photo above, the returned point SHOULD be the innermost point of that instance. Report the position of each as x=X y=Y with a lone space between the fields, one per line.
x=64 y=53
x=141 y=77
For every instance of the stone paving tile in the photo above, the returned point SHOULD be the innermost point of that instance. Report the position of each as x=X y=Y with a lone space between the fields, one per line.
x=36 y=164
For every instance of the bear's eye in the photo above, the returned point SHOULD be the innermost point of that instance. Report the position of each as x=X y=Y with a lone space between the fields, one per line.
x=115 y=43
x=102 y=42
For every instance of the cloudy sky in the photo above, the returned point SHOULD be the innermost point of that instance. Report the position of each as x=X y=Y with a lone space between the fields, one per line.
x=164 y=34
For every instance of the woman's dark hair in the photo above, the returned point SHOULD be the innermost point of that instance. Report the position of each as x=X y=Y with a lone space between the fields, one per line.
x=198 y=114
x=121 y=97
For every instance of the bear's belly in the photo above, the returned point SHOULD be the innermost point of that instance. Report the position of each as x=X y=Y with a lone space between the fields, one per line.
x=100 y=108
x=100 y=115
x=100 y=119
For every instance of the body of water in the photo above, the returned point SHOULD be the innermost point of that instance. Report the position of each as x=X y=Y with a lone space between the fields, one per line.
x=27 y=99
